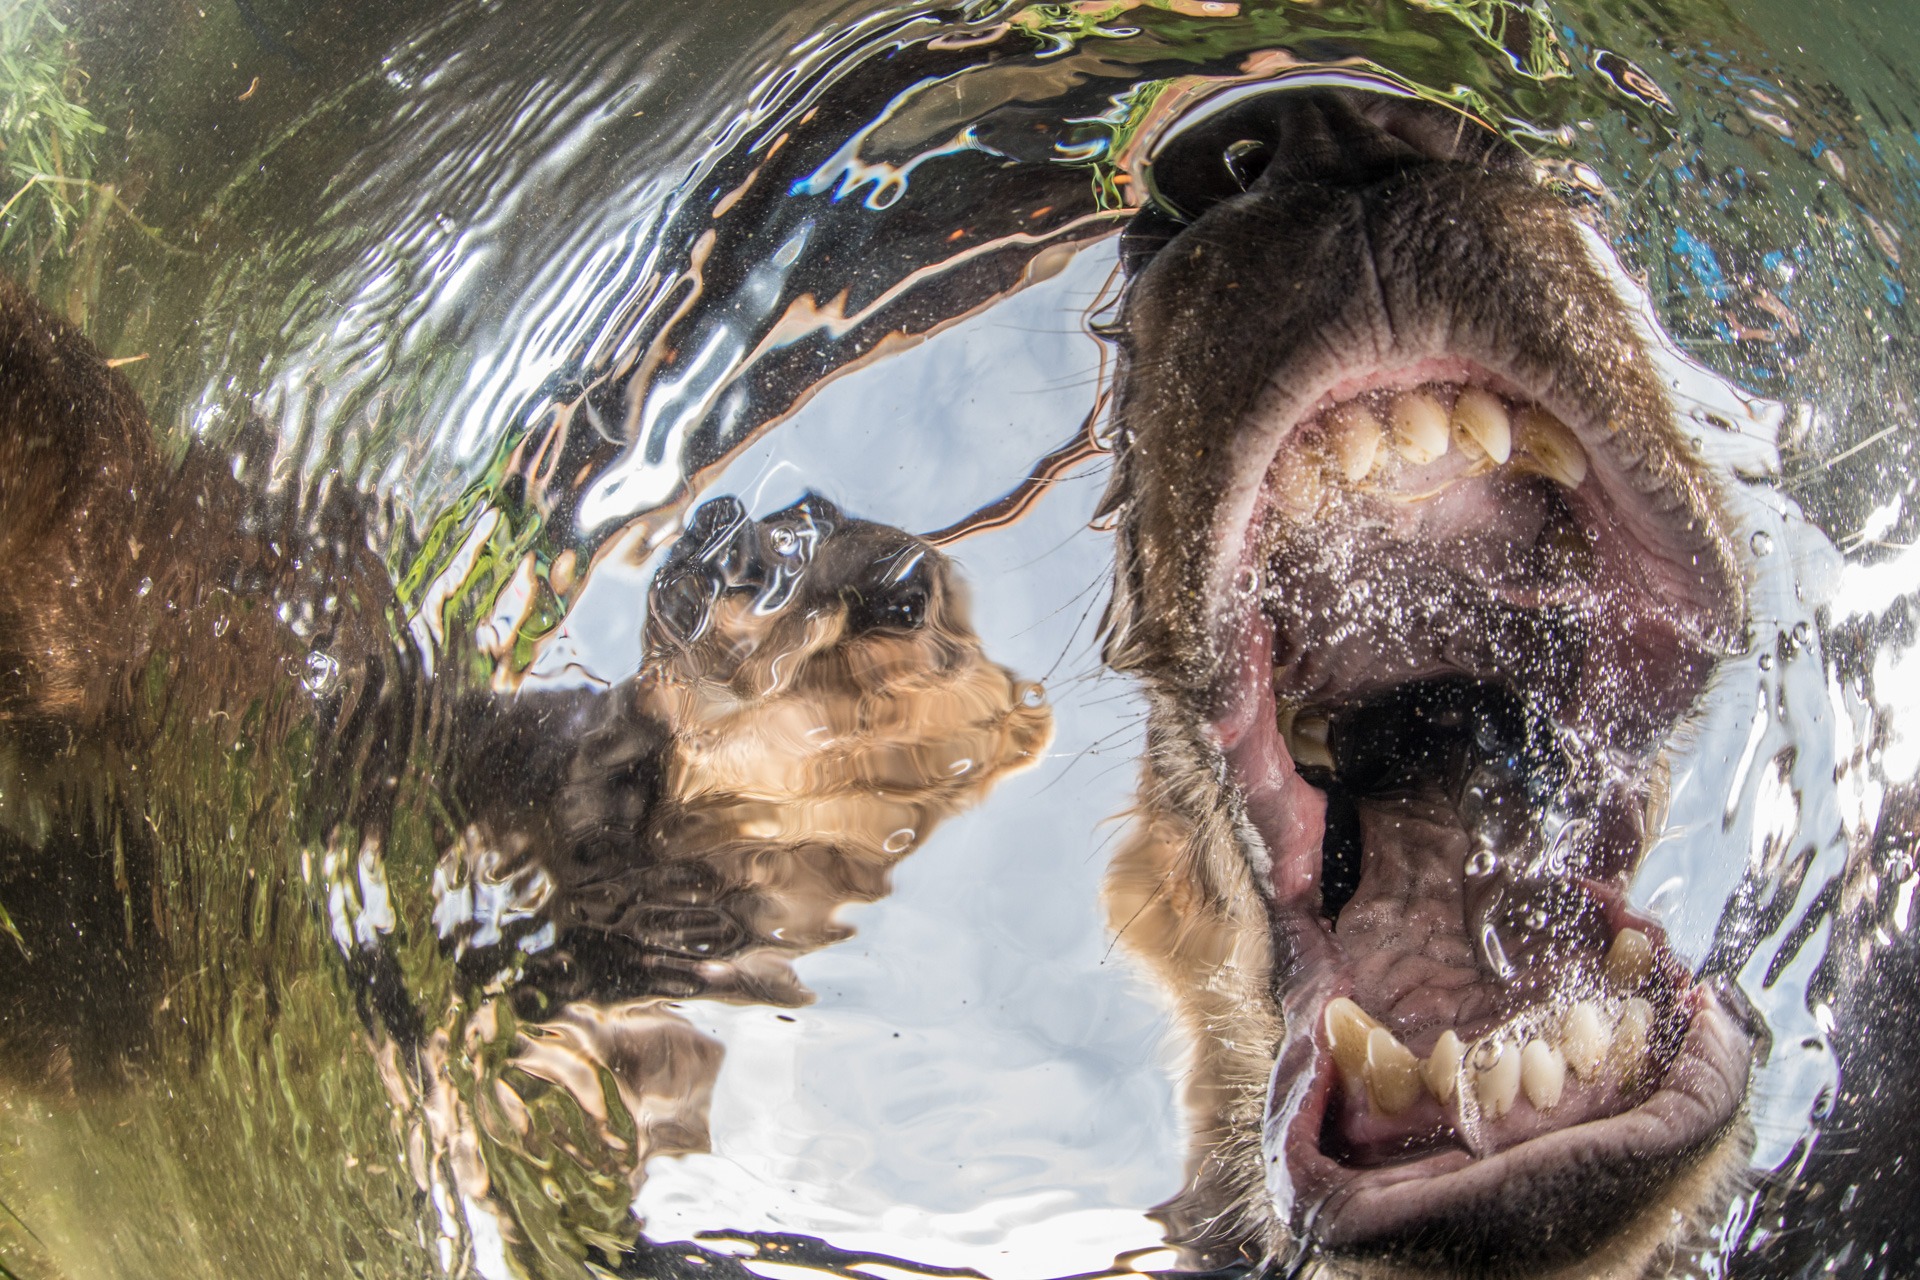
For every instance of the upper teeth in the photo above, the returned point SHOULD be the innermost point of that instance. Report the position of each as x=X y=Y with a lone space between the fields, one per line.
x=1422 y=430
x=1419 y=427
x=1480 y=418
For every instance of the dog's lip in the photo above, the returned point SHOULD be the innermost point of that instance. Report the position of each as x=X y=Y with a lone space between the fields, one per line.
x=1338 y=1207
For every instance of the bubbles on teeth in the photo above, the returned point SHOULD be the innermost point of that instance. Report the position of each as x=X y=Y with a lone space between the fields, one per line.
x=1551 y=447
x=1630 y=1036
x=1353 y=440
x=1584 y=1038
x=1420 y=427
x=1543 y=1074
x=1481 y=420
x=1629 y=960
x=1496 y=1082
x=1297 y=484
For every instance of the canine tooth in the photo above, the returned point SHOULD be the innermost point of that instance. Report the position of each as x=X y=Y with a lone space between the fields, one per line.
x=1348 y=1029
x=1498 y=1083
x=1543 y=1073
x=1353 y=436
x=1630 y=1035
x=1442 y=1067
x=1420 y=432
x=1583 y=1038
x=1556 y=453
x=1393 y=1073
x=1629 y=959
x=1307 y=740
x=1480 y=417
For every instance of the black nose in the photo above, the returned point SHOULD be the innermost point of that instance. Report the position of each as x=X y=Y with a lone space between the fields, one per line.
x=717 y=552
x=893 y=594
x=1338 y=138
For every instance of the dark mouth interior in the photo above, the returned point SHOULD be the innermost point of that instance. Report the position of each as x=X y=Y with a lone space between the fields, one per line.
x=1474 y=664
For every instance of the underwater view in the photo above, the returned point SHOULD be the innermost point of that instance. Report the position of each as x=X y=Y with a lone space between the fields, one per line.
x=1018 y=640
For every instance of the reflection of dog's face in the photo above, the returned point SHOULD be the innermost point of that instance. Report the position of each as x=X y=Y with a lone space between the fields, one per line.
x=813 y=702
x=827 y=698
x=1421 y=576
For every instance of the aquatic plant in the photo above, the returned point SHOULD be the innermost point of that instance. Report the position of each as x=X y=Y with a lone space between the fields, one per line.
x=46 y=135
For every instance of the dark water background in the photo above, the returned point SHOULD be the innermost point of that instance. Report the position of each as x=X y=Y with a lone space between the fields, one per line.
x=533 y=278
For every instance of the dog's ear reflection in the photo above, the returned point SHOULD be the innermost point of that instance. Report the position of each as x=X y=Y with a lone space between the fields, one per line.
x=813 y=703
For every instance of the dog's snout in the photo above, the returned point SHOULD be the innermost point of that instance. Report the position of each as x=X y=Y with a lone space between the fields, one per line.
x=1292 y=138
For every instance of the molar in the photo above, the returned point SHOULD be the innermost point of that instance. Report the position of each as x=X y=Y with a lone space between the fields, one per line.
x=1441 y=1070
x=1583 y=1038
x=1496 y=1082
x=1353 y=439
x=1306 y=738
x=1630 y=1036
x=1393 y=1073
x=1480 y=419
x=1420 y=431
x=1551 y=447
x=1543 y=1072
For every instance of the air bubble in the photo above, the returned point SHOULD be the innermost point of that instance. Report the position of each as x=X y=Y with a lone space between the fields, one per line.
x=1762 y=543
x=1246 y=582
x=146 y=585
x=900 y=841
x=1487 y=1054
x=1036 y=694
x=1899 y=868
x=1801 y=634
x=1537 y=918
x=783 y=541
x=1766 y=662
x=1482 y=862
x=960 y=768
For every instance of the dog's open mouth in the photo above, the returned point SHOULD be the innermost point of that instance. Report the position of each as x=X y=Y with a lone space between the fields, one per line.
x=1469 y=628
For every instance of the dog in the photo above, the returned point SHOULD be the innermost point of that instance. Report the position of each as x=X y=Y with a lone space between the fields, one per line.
x=1420 y=577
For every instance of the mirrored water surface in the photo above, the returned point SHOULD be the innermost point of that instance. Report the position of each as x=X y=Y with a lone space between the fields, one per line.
x=615 y=771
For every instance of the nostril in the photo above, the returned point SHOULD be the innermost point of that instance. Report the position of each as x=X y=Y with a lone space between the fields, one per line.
x=1247 y=159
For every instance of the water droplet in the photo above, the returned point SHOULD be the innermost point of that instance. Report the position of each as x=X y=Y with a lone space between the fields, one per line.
x=1762 y=543
x=1495 y=954
x=1482 y=862
x=1036 y=694
x=321 y=669
x=899 y=841
x=146 y=585
x=1487 y=1054
x=1801 y=634
x=1766 y=662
